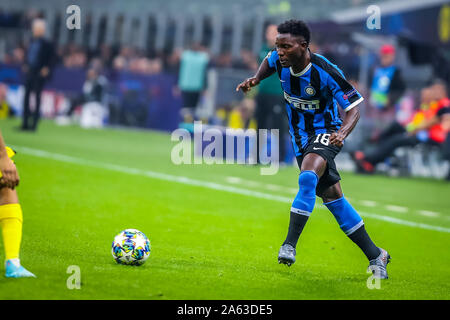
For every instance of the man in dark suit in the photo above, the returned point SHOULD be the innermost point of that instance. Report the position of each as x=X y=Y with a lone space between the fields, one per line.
x=37 y=69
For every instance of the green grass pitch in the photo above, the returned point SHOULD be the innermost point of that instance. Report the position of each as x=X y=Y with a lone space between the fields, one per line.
x=79 y=188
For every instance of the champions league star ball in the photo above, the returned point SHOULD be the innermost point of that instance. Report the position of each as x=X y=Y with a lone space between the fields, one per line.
x=131 y=247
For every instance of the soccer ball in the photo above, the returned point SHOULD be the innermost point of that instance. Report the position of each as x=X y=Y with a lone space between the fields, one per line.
x=131 y=247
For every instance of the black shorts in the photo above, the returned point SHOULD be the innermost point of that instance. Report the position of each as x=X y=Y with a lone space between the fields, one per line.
x=320 y=145
x=190 y=99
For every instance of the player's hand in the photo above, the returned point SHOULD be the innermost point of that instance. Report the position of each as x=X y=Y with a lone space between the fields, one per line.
x=247 y=84
x=9 y=175
x=337 y=139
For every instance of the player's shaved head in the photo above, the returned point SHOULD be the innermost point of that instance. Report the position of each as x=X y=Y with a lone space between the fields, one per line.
x=297 y=28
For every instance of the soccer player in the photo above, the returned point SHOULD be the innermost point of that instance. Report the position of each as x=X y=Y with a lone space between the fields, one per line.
x=10 y=214
x=312 y=88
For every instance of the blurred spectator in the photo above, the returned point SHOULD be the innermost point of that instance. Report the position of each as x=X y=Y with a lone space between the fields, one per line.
x=241 y=117
x=192 y=79
x=223 y=60
x=439 y=124
x=18 y=56
x=424 y=128
x=94 y=89
x=270 y=103
x=38 y=65
x=4 y=106
x=386 y=89
x=105 y=55
x=387 y=85
x=96 y=63
x=130 y=59
x=155 y=66
x=73 y=56
x=172 y=63
x=246 y=61
x=15 y=56
x=119 y=63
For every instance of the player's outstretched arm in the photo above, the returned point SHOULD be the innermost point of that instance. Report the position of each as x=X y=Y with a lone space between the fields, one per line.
x=8 y=173
x=263 y=72
x=350 y=120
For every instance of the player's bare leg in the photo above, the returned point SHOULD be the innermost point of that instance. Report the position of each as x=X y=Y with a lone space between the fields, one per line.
x=353 y=226
x=312 y=168
x=11 y=224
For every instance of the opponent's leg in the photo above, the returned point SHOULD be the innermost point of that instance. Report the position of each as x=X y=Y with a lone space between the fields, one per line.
x=353 y=226
x=11 y=224
x=313 y=167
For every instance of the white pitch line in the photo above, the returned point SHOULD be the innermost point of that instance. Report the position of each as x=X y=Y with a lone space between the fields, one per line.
x=150 y=174
x=429 y=213
x=203 y=184
x=391 y=207
x=273 y=187
x=233 y=180
x=368 y=203
x=257 y=184
x=405 y=222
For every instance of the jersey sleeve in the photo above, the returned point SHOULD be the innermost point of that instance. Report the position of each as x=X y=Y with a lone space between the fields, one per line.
x=345 y=94
x=272 y=58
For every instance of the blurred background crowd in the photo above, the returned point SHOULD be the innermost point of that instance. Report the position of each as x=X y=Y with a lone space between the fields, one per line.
x=166 y=66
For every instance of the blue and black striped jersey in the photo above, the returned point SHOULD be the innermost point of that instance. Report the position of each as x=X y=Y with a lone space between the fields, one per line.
x=311 y=97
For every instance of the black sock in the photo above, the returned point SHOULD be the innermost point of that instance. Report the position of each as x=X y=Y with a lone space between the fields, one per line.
x=362 y=239
x=296 y=224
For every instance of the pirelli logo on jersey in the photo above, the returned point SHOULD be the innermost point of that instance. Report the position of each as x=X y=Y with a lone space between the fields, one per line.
x=301 y=103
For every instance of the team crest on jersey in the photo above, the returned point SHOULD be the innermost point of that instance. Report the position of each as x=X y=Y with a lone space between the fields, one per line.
x=310 y=91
